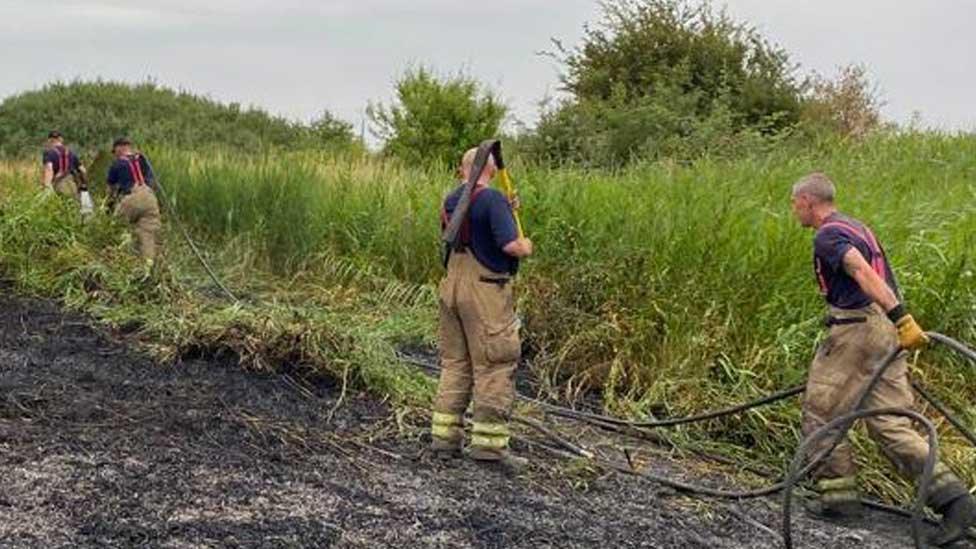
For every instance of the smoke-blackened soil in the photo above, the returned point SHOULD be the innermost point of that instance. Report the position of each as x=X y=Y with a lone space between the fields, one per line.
x=102 y=447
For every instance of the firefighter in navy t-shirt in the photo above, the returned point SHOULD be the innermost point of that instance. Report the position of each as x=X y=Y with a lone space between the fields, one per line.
x=63 y=171
x=131 y=181
x=479 y=343
x=866 y=321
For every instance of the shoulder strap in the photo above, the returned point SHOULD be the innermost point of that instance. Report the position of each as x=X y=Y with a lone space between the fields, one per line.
x=878 y=261
x=64 y=159
x=135 y=169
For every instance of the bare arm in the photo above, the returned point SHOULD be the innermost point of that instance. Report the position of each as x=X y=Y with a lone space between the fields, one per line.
x=48 y=176
x=873 y=285
x=520 y=247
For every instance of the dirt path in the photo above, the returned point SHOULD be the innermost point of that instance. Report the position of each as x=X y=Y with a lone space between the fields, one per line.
x=99 y=447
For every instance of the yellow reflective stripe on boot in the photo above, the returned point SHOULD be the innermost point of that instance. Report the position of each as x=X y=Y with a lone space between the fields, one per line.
x=837 y=484
x=489 y=442
x=446 y=426
x=450 y=420
x=490 y=429
x=490 y=435
x=837 y=490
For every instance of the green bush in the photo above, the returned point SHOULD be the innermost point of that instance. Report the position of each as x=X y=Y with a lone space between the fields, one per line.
x=91 y=114
x=436 y=119
x=666 y=78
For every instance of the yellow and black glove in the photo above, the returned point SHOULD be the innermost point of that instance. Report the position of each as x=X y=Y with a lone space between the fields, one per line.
x=910 y=334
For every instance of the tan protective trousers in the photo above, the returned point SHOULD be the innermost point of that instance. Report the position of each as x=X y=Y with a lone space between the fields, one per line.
x=841 y=369
x=141 y=210
x=66 y=186
x=479 y=349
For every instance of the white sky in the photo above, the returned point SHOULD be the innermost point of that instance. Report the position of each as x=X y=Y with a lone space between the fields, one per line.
x=296 y=58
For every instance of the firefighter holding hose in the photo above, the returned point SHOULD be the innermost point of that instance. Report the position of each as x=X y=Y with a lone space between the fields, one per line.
x=866 y=320
x=479 y=344
x=63 y=172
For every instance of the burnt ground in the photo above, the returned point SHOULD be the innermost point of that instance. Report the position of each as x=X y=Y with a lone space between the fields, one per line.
x=101 y=447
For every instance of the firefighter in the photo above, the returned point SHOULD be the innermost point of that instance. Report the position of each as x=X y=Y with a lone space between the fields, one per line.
x=131 y=181
x=479 y=344
x=63 y=172
x=866 y=320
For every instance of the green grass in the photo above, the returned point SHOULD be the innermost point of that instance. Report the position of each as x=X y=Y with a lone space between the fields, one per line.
x=670 y=289
x=330 y=323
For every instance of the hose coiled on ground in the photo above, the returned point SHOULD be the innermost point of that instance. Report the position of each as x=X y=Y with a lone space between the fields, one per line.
x=837 y=429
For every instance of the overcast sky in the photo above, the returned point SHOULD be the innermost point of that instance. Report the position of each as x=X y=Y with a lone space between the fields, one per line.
x=296 y=58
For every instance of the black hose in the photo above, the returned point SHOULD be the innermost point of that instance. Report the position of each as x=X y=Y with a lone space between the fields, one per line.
x=837 y=428
x=946 y=413
x=954 y=345
x=576 y=414
x=774 y=488
x=189 y=240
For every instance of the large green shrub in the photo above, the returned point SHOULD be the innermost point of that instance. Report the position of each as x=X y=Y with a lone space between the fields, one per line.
x=435 y=119
x=91 y=114
x=666 y=78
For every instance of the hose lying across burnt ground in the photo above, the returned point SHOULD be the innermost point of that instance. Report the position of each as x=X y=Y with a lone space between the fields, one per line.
x=834 y=430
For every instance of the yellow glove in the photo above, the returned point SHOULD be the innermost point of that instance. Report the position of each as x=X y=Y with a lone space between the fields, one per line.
x=910 y=334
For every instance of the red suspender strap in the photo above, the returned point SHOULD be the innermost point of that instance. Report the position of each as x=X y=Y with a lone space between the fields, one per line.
x=138 y=163
x=132 y=171
x=136 y=170
x=877 y=257
x=818 y=267
x=63 y=157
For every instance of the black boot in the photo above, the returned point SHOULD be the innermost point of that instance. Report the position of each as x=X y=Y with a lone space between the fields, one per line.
x=957 y=517
x=445 y=450
x=504 y=459
x=851 y=509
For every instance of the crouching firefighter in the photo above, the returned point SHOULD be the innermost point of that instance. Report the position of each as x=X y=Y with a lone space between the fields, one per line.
x=479 y=344
x=866 y=321
x=131 y=181
x=64 y=173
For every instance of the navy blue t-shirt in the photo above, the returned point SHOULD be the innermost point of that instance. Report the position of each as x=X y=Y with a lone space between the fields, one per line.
x=62 y=159
x=492 y=228
x=839 y=234
x=127 y=171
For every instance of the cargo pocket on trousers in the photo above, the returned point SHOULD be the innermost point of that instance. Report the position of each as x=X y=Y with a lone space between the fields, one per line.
x=504 y=345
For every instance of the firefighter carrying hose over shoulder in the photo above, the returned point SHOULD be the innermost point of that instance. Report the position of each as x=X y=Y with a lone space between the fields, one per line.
x=479 y=342
x=131 y=181
x=866 y=320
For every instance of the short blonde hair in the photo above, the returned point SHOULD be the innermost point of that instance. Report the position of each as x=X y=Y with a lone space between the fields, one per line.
x=816 y=185
x=467 y=161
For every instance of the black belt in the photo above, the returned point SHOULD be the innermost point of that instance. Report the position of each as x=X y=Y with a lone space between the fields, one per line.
x=500 y=281
x=834 y=321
